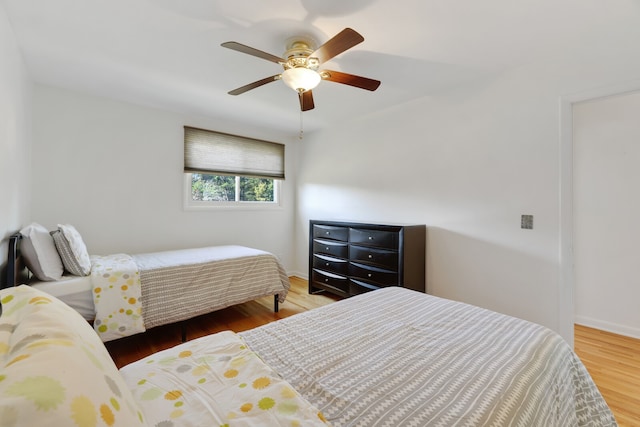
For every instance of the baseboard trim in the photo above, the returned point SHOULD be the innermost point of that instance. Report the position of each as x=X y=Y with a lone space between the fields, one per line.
x=603 y=325
x=298 y=274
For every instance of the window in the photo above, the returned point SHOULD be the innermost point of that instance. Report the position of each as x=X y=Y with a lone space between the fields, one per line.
x=223 y=170
x=226 y=188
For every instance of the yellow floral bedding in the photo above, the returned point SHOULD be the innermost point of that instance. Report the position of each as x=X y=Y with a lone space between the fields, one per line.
x=54 y=370
x=215 y=381
x=116 y=296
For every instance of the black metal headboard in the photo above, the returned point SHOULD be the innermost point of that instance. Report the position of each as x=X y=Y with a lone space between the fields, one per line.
x=17 y=272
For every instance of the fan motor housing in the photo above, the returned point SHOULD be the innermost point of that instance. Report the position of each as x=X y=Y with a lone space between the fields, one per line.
x=298 y=51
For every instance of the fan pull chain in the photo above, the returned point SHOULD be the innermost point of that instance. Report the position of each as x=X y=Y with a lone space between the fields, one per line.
x=301 y=128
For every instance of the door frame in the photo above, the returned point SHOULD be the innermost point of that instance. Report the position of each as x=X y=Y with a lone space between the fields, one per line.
x=566 y=291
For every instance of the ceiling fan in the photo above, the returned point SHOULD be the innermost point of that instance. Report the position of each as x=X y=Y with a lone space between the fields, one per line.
x=302 y=62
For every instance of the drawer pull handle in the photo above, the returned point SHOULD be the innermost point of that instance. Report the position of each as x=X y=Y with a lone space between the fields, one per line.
x=328 y=233
x=370 y=237
x=326 y=249
x=327 y=264
x=326 y=280
x=370 y=256
x=369 y=275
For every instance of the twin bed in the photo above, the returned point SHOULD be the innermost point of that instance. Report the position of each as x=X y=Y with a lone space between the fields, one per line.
x=126 y=294
x=391 y=357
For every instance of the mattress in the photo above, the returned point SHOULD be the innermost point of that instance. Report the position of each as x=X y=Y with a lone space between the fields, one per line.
x=396 y=357
x=180 y=284
x=184 y=257
x=75 y=291
x=177 y=285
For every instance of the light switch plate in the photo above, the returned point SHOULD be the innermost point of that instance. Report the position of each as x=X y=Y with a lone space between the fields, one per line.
x=526 y=222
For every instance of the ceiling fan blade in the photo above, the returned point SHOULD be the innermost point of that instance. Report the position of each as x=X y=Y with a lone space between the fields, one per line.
x=254 y=85
x=350 y=79
x=345 y=39
x=306 y=101
x=252 y=51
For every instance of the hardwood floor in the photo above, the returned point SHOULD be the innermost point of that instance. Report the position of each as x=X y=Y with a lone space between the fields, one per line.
x=237 y=318
x=614 y=364
x=612 y=360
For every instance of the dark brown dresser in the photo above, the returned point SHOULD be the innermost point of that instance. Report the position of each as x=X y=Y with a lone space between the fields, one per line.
x=348 y=258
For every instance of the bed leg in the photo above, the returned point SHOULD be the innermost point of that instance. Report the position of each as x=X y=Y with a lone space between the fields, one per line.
x=183 y=331
x=275 y=303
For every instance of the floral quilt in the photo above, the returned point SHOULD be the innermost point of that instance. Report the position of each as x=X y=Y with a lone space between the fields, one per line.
x=116 y=296
x=215 y=381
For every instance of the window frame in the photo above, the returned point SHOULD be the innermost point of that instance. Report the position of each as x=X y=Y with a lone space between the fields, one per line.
x=202 y=205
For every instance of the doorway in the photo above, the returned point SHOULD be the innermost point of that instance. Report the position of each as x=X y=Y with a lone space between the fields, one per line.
x=601 y=115
x=606 y=213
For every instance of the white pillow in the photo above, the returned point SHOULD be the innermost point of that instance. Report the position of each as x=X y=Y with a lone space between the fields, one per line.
x=72 y=250
x=39 y=253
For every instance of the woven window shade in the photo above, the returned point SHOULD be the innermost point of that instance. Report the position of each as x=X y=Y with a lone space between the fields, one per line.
x=212 y=152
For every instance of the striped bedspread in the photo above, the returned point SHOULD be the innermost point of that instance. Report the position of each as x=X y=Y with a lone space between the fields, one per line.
x=395 y=357
x=178 y=285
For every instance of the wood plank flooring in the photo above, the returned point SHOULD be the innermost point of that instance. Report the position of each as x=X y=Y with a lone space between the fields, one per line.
x=614 y=364
x=612 y=360
x=237 y=318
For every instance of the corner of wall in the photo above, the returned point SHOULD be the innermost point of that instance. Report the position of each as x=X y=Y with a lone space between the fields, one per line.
x=15 y=137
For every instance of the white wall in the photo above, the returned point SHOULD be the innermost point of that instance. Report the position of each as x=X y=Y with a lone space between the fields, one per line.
x=466 y=163
x=15 y=145
x=115 y=171
x=606 y=146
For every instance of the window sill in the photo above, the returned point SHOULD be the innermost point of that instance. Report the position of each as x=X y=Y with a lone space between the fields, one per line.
x=222 y=206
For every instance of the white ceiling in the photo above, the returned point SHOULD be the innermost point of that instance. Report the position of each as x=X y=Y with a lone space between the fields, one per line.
x=167 y=54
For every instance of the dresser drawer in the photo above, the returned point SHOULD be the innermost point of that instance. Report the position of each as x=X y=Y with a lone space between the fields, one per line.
x=327 y=247
x=380 y=239
x=381 y=257
x=335 y=281
x=357 y=287
x=373 y=274
x=332 y=265
x=331 y=232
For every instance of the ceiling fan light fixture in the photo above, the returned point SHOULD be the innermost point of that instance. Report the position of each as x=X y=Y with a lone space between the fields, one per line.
x=301 y=63
x=301 y=79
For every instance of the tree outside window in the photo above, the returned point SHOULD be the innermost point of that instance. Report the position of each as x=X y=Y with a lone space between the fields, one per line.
x=226 y=188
